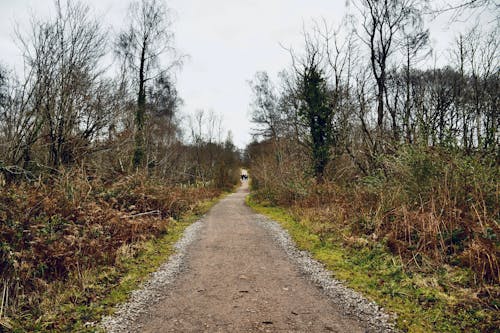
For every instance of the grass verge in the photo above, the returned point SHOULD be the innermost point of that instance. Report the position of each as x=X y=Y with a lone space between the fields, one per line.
x=79 y=303
x=437 y=301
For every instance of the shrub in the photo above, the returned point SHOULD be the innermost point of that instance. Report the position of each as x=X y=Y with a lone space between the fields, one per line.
x=429 y=203
x=50 y=230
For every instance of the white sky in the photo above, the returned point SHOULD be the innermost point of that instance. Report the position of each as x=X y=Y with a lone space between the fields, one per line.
x=227 y=41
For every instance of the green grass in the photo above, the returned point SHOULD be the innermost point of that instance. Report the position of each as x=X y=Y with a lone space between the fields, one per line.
x=422 y=302
x=78 y=305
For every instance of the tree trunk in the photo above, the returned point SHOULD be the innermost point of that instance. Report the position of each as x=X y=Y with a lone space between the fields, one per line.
x=140 y=113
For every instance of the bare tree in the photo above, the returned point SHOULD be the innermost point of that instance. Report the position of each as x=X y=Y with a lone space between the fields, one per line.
x=265 y=111
x=476 y=55
x=383 y=20
x=64 y=88
x=415 y=40
x=206 y=147
x=342 y=56
x=464 y=9
x=148 y=37
x=161 y=121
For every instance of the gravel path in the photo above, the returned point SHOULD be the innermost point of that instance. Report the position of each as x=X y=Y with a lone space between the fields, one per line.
x=236 y=271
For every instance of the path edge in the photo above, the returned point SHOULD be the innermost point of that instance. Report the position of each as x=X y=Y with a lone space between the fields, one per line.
x=351 y=302
x=152 y=291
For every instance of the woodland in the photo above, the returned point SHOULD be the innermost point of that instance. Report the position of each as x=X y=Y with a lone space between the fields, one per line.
x=93 y=160
x=390 y=158
x=363 y=142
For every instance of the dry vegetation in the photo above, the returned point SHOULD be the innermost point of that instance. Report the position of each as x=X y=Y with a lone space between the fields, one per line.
x=382 y=156
x=70 y=225
x=95 y=166
x=434 y=210
x=430 y=207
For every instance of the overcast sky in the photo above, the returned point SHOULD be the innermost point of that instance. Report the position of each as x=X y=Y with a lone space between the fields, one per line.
x=227 y=41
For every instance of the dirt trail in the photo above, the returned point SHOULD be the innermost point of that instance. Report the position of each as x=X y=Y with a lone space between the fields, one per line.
x=237 y=279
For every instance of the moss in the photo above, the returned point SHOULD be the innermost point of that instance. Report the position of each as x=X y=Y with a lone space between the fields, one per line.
x=420 y=301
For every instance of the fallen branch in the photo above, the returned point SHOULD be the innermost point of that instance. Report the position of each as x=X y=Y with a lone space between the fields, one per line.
x=153 y=212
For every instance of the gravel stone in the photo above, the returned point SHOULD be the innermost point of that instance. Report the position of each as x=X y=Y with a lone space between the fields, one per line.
x=216 y=242
x=352 y=302
x=150 y=292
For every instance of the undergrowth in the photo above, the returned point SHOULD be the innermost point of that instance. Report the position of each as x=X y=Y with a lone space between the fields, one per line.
x=420 y=234
x=72 y=248
x=438 y=301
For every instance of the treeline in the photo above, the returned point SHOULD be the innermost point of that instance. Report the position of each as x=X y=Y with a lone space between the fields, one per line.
x=374 y=142
x=365 y=95
x=68 y=109
x=94 y=160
